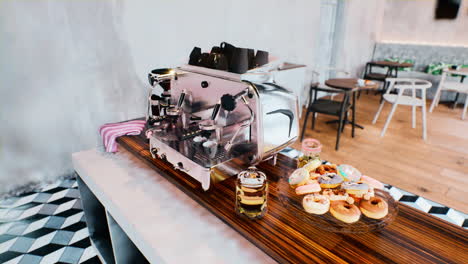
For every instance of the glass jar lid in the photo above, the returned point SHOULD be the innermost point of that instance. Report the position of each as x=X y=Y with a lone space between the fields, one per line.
x=252 y=177
x=311 y=146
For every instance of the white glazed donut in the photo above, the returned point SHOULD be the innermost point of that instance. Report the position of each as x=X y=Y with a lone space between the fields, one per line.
x=316 y=204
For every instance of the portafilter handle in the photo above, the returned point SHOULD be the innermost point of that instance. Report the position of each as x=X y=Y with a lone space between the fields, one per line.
x=215 y=111
x=181 y=99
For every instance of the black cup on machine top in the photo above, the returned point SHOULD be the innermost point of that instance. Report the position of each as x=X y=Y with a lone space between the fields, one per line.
x=195 y=56
x=240 y=61
x=227 y=57
x=261 y=58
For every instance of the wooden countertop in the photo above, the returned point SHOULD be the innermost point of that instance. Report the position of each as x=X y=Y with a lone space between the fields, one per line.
x=414 y=236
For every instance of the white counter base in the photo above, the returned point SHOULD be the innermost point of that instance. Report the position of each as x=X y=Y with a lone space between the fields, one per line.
x=139 y=209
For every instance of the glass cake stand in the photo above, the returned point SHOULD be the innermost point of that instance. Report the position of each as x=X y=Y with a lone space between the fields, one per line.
x=293 y=202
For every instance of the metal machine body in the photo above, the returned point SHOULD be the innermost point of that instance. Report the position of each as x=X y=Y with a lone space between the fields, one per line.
x=244 y=122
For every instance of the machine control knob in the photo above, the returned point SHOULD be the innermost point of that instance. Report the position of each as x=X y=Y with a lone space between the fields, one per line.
x=228 y=102
x=204 y=84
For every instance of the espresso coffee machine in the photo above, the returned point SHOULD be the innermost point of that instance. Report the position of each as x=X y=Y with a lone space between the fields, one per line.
x=209 y=123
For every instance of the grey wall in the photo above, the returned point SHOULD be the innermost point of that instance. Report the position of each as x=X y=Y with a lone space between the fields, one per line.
x=413 y=21
x=66 y=67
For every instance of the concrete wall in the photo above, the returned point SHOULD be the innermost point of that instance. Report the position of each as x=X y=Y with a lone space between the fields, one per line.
x=413 y=21
x=358 y=25
x=66 y=67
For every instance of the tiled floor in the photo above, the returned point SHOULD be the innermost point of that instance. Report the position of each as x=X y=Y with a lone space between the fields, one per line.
x=45 y=226
x=48 y=225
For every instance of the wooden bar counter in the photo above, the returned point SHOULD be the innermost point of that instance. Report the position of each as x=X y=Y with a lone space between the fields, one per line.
x=414 y=236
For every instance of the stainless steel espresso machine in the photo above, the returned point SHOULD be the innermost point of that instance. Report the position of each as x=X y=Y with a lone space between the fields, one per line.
x=209 y=122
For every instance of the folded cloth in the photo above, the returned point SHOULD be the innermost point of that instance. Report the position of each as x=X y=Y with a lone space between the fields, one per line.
x=110 y=132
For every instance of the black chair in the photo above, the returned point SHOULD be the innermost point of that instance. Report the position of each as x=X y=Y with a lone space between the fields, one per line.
x=328 y=107
x=369 y=74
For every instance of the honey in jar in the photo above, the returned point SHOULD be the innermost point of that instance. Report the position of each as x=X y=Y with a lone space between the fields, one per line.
x=251 y=193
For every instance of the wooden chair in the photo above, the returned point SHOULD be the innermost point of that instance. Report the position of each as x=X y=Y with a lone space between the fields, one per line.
x=445 y=85
x=328 y=107
x=403 y=84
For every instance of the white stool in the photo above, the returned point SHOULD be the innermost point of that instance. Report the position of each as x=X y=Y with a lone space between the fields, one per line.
x=445 y=85
x=403 y=84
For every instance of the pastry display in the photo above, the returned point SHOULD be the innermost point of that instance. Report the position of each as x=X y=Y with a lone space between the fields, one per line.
x=330 y=180
x=316 y=204
x=343 y=211
x=349 y=173
x=341 y=190
x=375 y=208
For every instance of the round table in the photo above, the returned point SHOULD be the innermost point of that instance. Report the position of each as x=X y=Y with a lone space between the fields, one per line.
x=350 y=85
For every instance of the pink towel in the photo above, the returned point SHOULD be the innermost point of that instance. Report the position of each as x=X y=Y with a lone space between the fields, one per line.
x=110 y=132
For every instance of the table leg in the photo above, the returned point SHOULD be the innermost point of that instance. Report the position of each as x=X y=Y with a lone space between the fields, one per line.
x=354 y=114
x=458 y=94
x=455 y=101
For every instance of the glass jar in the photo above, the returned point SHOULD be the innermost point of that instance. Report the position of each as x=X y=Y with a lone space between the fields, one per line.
x=251 y=193
x=311 y=149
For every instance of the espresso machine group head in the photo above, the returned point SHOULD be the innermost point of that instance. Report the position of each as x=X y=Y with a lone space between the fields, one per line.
x=209 y=122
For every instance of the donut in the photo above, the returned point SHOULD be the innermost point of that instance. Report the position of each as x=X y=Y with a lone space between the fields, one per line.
x=372 y=182
x=343 y=211
x=313 y=176
x=368 y=195
x=312 y=165
x=330 y=180
x=323 y=169
x=298 y=177
x=316 y=204
x=375 y=208
x=349 y=173
x=310 y=187
x=358 y=189
x=327 y=192
x=335 y=194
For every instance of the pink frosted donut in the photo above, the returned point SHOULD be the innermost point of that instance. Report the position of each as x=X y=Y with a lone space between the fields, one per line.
x=310 y=187
x=372 y=182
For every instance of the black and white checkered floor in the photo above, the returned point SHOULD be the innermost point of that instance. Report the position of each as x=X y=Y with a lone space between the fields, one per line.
x=48 y=225
x=45 y=226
